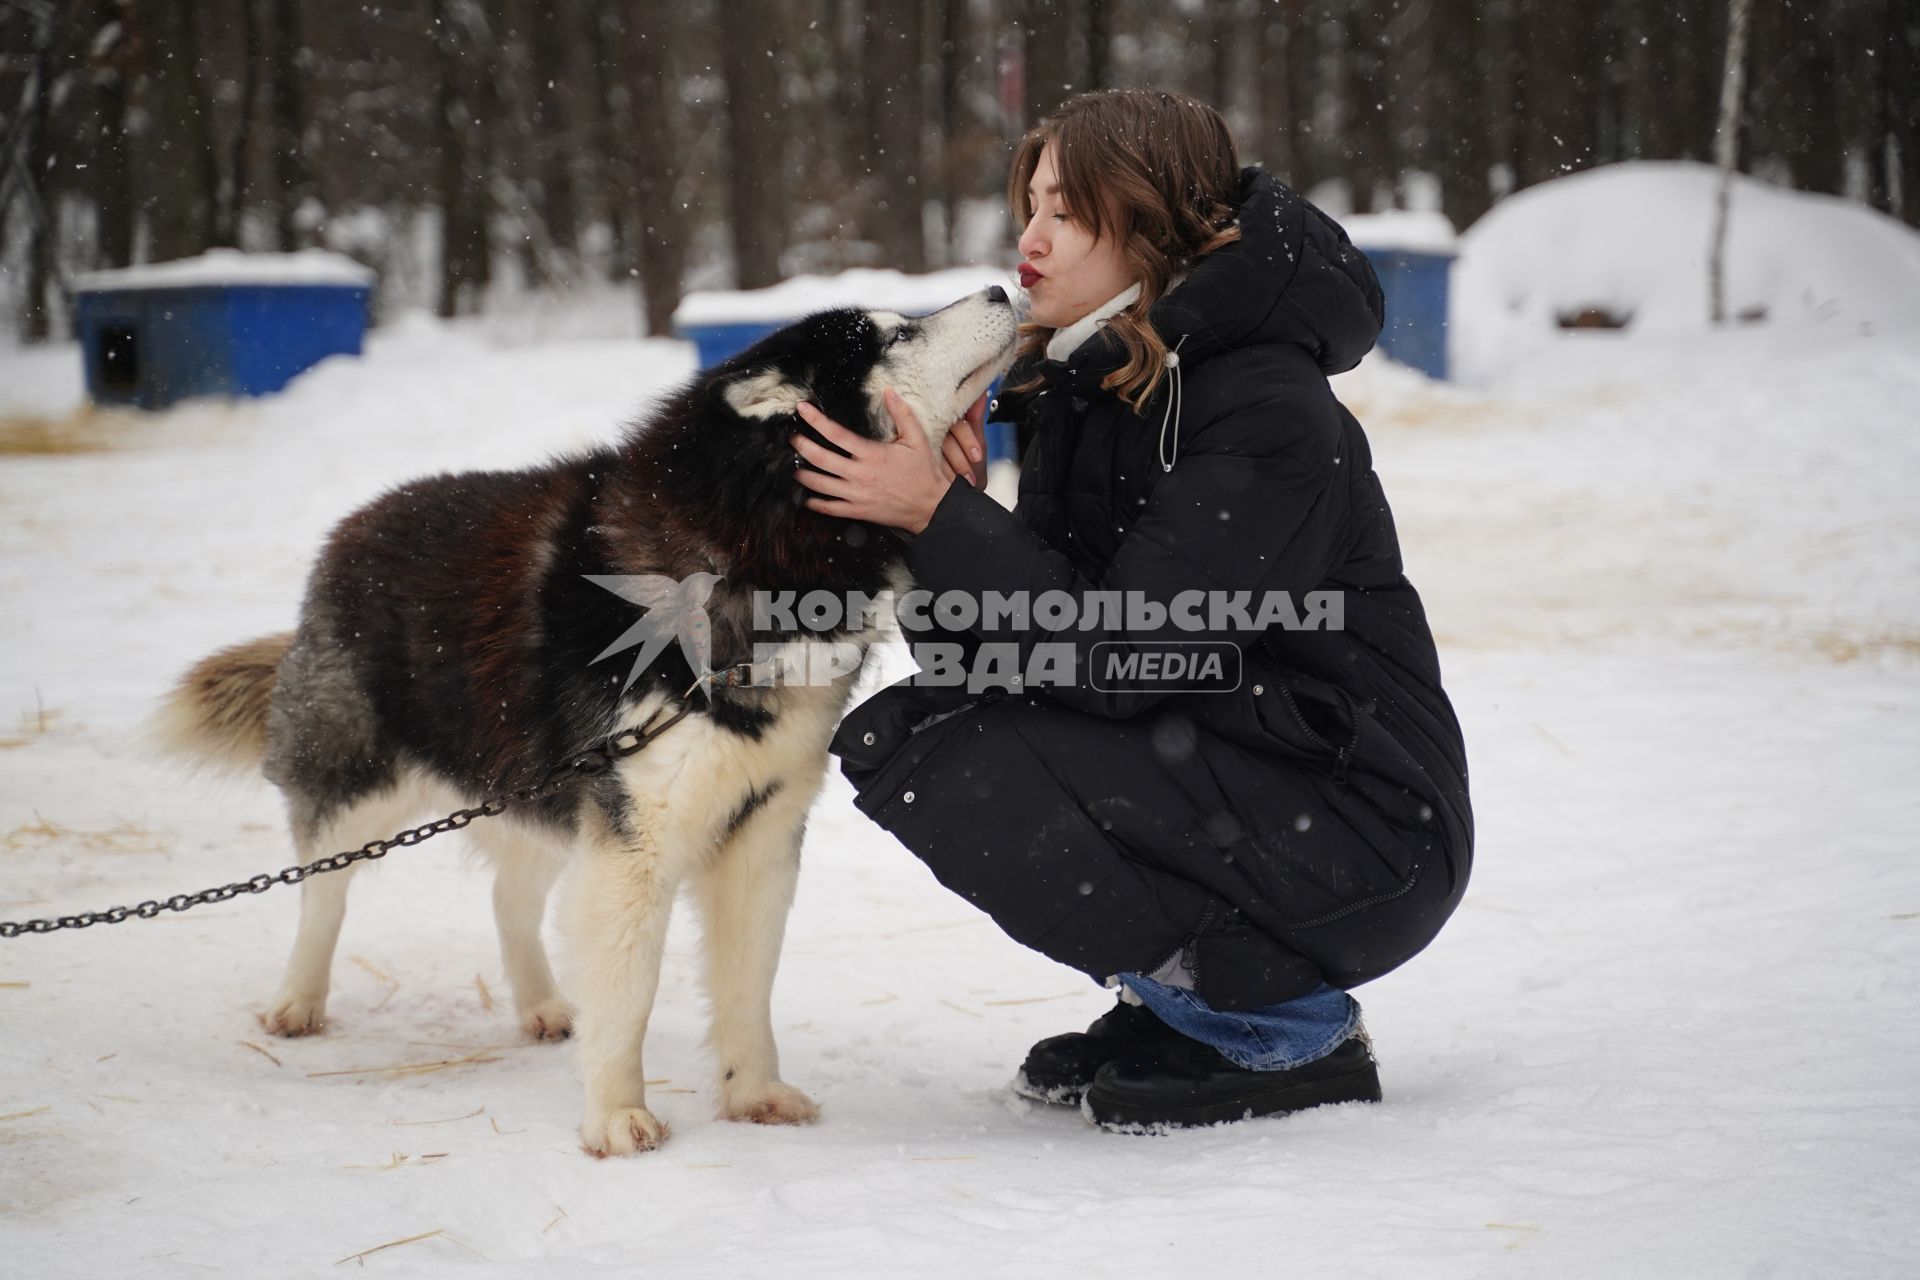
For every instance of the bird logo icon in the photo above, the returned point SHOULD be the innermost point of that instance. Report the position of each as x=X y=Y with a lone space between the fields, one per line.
x=676 y=609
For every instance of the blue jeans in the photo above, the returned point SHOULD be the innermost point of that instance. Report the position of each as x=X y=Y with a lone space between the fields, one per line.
x=1275 y=1038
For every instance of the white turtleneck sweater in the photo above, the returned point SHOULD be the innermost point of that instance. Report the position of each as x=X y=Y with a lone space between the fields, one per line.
x=1067 y=341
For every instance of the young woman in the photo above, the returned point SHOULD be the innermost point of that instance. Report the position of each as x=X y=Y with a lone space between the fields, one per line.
x=1234 y=857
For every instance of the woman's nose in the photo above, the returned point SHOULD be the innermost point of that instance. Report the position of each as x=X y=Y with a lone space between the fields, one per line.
x=1031 y=240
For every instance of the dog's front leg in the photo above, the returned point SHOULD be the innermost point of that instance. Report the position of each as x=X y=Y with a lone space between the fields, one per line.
x=618 y=905
x=744 y=895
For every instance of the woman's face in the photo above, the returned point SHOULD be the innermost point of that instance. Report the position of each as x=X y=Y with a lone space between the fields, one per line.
x=1066 y=272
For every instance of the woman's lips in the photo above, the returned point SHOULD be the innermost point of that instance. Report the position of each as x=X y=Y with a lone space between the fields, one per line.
x=1027 y=276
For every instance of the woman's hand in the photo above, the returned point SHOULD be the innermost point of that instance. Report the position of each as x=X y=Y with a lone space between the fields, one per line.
x=965 y=448
x=895 y=483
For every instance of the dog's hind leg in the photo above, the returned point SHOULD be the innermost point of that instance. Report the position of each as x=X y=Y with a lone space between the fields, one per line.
x=617 y=906
x=744 y=895
x=525 y=868
x=300 y=1007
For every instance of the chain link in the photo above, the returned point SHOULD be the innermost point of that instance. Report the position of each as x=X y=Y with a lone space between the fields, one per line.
x=595 y=760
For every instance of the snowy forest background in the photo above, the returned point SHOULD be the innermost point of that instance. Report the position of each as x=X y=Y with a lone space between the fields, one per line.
x=1669 y=567
x=472 y=149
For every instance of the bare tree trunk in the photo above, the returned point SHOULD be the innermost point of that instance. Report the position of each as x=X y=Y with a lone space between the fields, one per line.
x=612 y=122
x=1726 y=148
x=953 y=48
x=1047 y=63
x=181 y=210
x=1697 y=78
x=1222 y=29
x=240 y=191
x=1099 y=44
x=1268 y=144
x=1500 y=26
x=1293 y=50
x=896 y=117
x=658 y=238
x=1407 y=68
x=35 y=158
x=552 y=24
x=108 y=167
x=1366 y=140
x=1544 y=83
x=1458 y=115
x=756 y=139
x=847 y=24
x=1901 y=86
x=462 y=44
x=290 y=176
x=1639 y=96
x=1893 y=154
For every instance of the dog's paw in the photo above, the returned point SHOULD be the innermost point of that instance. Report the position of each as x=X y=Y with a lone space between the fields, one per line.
x=551 y=1019
x=625 y=1132
x=295 y=1013
x=774 y=1102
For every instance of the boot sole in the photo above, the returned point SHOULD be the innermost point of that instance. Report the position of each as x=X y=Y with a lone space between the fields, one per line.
x=1123 y=1115
x=1052 y=1091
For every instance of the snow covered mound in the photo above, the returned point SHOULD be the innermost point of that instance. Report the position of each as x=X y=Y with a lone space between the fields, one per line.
x=1420 y=231
x=230 y=266
x=859 y=287
x=1632 y=240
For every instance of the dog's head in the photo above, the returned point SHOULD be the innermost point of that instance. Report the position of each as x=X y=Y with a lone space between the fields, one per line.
x=845 y=360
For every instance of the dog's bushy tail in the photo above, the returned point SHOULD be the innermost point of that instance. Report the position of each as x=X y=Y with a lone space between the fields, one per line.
x=217 y=714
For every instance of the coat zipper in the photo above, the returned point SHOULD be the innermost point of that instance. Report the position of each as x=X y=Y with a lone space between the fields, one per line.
x=1372 y=900
x=1342 y=756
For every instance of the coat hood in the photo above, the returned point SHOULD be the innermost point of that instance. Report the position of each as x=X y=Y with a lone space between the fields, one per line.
x=1291 y=277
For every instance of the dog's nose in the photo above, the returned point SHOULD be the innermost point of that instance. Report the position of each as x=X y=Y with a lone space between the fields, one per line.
x=996 y=294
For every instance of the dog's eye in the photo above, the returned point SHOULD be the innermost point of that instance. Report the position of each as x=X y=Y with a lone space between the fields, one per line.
x=900 y=335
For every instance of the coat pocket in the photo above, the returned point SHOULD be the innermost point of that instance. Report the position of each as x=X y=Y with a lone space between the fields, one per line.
x=876 y=788
x=1313 y=717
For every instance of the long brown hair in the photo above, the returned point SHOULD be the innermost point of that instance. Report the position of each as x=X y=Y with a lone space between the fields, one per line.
x=1158 y=171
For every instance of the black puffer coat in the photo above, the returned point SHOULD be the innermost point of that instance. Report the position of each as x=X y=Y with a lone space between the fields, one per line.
x=1313 y=824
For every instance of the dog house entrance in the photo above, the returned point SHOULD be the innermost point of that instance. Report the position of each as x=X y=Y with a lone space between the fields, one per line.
x=119 y=358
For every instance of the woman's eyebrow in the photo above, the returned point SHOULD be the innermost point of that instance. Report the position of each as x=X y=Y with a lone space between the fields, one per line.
x=1053 y=190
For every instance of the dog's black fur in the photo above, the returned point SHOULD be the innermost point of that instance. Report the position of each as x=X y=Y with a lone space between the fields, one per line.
x=473 y=652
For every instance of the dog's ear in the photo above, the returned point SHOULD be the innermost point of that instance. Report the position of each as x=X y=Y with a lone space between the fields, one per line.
x=764 y=393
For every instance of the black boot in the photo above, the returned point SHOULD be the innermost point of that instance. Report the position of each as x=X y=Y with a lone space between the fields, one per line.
x=1059 y=1068
x=1187 y=1083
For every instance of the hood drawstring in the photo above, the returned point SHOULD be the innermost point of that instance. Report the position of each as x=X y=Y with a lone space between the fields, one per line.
x=1172 y=413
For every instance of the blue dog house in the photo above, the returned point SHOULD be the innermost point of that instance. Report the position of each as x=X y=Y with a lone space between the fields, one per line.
x=723 y=324
x=1415 y=284
x=1412 y=254
x=223 y=324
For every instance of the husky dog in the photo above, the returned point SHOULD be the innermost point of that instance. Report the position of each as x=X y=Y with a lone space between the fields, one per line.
x=448 y=650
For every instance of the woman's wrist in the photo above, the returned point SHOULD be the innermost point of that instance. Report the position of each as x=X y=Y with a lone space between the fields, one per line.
x=938 y=495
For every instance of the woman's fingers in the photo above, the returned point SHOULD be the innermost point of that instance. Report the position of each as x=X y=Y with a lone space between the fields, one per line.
x=824 y=483
x=904 y=421
x=953 y=458
x=816 y=453
x=969 y=439
x=966 y=446
x=977 y=415
x=832 y=431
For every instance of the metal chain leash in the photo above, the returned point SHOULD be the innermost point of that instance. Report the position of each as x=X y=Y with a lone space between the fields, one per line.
x=594 y=760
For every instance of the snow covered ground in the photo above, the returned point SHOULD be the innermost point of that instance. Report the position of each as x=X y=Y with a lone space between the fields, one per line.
x=1672 y=1031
